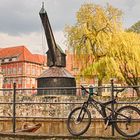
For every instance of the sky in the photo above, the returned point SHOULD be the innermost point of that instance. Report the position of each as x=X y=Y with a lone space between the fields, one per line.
x=20 y=23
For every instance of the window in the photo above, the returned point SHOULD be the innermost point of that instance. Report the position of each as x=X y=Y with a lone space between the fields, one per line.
x=28 y=70
x=8 y=71
x=20 y=70
x=14 y=71
x=28 y=80
x=33 y=71
x=20 y=80
x=2 y=60
x=16 y=81
x=33 y=81
x=5 y=80
x=11 y=81
x=38 y=73
x=10 y=59
x=4 y=71
x=7 y=60
x=14 y=59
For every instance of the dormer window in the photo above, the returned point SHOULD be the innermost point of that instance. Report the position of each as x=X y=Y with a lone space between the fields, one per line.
x=14 y=59
x=2 y=60
x=6 y=60
x=10 y=59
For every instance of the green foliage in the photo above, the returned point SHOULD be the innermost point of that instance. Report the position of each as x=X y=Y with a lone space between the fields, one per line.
x=126 y=55
x=101 y=46
x=134 y=28
x=91 y=34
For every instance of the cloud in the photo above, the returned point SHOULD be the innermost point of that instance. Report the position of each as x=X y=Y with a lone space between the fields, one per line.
x=20 y=23
x=130 y=8
x=35 y=41
x=23 y=16
x=18 y=16
x=32 y=41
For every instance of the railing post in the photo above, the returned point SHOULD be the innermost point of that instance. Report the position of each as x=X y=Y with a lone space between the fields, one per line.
x=14 y=107
x=112 y=106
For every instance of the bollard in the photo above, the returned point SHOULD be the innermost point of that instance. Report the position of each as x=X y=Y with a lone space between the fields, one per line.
x=91 y=90
x=112 y=106
x=14 y=107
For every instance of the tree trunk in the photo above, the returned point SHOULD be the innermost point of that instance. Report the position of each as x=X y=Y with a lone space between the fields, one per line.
x=99 y=91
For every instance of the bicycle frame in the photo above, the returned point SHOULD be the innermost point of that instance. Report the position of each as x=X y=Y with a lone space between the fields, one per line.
x=80 y=117
x=101 y=108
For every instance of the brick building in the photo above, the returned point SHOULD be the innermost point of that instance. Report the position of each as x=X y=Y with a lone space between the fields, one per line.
x=19 y=65
x=1 y=79
x=74 y=68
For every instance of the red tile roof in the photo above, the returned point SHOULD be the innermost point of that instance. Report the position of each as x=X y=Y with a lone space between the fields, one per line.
x=22 y=53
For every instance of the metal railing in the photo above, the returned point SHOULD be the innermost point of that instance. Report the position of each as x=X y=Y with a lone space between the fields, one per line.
x=15 y=102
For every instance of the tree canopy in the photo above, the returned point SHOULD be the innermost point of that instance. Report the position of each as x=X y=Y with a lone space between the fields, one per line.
x=102 y=47
x=134 y=28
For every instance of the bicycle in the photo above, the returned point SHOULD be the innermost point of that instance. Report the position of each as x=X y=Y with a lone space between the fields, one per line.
x=123 y=119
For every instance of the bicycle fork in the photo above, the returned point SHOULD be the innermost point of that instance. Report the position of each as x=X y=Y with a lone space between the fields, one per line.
x=82 y=112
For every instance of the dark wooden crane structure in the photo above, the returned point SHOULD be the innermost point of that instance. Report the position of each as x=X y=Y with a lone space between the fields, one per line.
x=56 y=75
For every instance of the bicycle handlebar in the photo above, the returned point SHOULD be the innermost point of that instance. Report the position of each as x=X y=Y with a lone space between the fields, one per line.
x=83 y=88
x=117 y=91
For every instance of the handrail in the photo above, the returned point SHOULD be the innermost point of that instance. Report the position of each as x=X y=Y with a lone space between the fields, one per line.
x=14 y=101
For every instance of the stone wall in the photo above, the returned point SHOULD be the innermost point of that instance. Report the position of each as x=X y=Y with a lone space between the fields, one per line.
x=56 y=112
x=53 y=106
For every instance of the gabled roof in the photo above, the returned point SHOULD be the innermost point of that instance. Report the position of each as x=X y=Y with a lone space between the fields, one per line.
x=22 y=53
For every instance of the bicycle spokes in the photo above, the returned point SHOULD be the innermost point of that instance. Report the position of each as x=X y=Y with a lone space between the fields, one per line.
x=79 y=121
x=127 y=121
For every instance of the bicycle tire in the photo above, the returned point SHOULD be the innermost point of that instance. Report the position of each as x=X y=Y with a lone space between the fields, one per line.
x=86 y=121
x=123 y=124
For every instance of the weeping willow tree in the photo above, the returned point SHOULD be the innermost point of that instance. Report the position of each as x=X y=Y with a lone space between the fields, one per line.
x=125 y=58
x=134 y=28
x=90 y=37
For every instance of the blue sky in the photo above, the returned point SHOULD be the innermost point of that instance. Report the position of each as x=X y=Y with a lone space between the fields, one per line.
x=20 y=22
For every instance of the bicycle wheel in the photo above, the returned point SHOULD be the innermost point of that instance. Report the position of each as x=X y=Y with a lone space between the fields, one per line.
x=79 y=121
x=128 y=121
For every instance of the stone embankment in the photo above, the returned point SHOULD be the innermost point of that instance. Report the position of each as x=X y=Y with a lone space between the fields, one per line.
x=52 y=114
x=52 y=106
x=7 y=136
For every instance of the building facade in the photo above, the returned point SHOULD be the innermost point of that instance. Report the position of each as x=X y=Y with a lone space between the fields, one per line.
x=1 y=79
x=20 y=66
x=74 y=68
